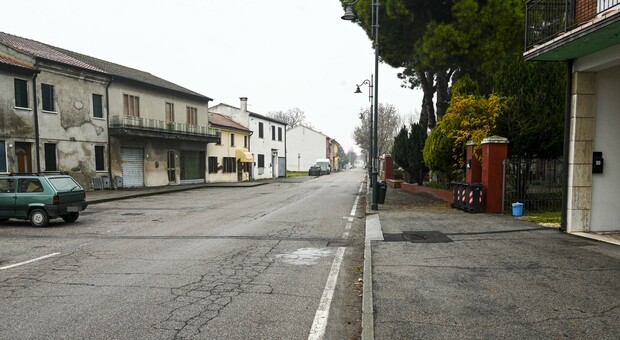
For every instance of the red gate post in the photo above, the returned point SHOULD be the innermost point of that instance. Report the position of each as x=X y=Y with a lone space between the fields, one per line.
x=473 y=170
x=494 y=152
x=388 y=167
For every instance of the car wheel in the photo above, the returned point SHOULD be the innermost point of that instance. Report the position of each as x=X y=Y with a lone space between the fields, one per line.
x=39 y=217
x=71 y=217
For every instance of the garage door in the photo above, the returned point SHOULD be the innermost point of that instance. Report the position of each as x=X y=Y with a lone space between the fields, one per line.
x=132 y=165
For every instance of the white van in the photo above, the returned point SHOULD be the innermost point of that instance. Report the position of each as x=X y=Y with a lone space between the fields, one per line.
x=325 y=164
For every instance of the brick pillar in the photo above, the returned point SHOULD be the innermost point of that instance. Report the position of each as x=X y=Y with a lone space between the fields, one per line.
x=388 y=167
x=494 y=152
x=473 y=171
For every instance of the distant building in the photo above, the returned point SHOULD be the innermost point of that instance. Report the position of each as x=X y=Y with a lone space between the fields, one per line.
x=267 y=142
x=305 y=146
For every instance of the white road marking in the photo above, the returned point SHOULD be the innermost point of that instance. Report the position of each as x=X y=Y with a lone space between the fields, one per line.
x=319 y=325
x=322 y=314
x=29 y=261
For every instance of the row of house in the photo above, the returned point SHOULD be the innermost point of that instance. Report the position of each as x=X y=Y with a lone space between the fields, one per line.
x=112 y=126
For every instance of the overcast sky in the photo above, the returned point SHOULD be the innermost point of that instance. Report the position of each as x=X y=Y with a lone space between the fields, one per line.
x=280 y=54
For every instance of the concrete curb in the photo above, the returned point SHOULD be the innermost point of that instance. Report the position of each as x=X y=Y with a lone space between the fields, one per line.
x=373 y=233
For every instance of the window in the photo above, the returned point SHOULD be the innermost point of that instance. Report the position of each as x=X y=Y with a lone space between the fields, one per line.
x=219 y=140
x=169 y=112
x=97 y=106
x=212 y=165
x=50 y=157
x=131 y=105
x=245 y=142
x=7 y=185
x=3 y=156
x=192 y=115
x=99 y=158
x=229 y=164
x=30 y=185
x=260 y=130
x=261 y=161
x=21 y=93
x=47 y=97
x=232 y=139
x=273 y=132
x=280 y=134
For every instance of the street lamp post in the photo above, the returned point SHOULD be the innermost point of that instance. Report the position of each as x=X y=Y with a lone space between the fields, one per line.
x=370 y=127
x=349 y=15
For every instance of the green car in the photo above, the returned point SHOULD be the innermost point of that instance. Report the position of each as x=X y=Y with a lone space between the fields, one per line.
x=41 y=197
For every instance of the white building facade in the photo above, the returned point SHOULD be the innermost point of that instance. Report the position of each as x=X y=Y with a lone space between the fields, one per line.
x=304 y=147
x=267 y=142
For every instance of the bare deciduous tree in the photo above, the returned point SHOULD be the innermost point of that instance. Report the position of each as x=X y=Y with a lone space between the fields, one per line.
x=292 y=117
x=388 y=124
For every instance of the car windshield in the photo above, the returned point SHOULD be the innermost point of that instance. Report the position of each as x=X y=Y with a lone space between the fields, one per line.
x=65 y=184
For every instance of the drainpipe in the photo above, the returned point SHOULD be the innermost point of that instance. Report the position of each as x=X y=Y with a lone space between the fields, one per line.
x=107 y=107
x=285 y=153
x=36 y=123
x=567 y=124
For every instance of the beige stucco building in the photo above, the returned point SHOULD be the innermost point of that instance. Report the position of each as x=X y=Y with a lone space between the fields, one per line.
x=105 y=124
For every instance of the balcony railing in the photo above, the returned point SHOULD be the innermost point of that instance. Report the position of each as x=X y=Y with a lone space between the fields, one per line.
x=149 y=124
x=546 y=19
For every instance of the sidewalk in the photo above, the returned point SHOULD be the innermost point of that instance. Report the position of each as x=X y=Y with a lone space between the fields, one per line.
x=100 y=196
x=433 y=272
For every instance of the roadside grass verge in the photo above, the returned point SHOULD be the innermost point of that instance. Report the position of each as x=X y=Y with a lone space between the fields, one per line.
x=296 y=173
x=546 y=218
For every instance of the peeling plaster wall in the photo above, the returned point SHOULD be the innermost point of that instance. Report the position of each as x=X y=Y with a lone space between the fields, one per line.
x=155 y=157
x=71 y=126
x=15 y=122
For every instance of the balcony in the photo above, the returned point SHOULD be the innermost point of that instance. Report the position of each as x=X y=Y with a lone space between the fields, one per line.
x=559 y=30
x=153 y=128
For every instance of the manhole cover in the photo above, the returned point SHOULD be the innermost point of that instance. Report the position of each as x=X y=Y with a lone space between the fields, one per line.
x=132 y=214
x=418 y=237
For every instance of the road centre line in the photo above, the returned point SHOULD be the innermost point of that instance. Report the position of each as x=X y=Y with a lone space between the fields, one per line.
x=29 y=261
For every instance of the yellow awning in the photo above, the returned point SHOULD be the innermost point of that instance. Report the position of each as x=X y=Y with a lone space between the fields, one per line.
x=244 y=156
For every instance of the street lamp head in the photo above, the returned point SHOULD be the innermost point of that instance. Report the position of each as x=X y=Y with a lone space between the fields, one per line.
x=348 y=14
x=358 y=89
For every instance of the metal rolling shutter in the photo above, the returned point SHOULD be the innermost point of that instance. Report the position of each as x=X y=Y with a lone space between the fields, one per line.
x=133 y=167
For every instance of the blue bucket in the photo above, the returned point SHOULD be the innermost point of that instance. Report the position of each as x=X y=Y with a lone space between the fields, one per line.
x=517 y=209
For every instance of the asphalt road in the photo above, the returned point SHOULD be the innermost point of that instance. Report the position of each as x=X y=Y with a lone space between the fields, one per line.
x=279 y=261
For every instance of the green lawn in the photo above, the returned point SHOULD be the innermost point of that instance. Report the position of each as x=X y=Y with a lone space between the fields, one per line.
x=543 y=217
x=296 y=173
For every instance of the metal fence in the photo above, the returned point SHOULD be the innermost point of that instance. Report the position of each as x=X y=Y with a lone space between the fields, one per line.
x=536 y=183
x=545 y=19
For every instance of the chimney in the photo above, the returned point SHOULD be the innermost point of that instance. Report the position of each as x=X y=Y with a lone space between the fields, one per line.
x=244 y=104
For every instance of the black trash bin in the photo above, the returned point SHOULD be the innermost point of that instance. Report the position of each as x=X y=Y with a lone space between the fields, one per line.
x=382 y=191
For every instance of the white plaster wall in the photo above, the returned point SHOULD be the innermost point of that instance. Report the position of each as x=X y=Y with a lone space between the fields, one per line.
x=265 y=146
x=606 y=186
x=308 y=144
